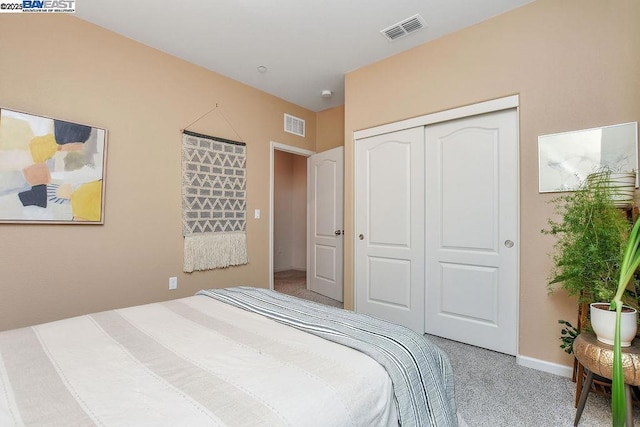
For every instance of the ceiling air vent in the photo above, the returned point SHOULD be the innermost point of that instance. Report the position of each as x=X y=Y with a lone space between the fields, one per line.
x=293 y=125
x=404 y=28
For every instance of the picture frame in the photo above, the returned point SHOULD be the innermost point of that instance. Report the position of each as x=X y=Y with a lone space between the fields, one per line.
x=566 y=159
x=52 y=171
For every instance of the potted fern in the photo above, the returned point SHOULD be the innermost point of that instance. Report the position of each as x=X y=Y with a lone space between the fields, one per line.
x=590 y=238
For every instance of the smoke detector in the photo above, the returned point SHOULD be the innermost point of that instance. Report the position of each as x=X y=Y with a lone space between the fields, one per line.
x=404 y=28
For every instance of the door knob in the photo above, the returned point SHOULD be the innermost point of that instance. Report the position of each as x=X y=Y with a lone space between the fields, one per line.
x=338 y=232
x=361 y=236
x=508 y=243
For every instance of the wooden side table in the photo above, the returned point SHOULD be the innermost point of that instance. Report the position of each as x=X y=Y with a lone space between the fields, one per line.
x=597 y=358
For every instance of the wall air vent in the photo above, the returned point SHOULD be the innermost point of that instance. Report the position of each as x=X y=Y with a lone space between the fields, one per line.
x=293 y=125
x=404 y=28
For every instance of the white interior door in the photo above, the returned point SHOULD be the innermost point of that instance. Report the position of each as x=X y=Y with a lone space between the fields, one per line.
x=390 y=227
x=472 y=230
x=326 y=185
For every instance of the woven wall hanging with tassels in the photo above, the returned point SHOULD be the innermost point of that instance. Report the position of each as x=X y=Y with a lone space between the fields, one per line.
x=213 y=202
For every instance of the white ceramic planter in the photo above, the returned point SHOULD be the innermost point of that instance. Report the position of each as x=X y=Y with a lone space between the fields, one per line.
x=603 y=322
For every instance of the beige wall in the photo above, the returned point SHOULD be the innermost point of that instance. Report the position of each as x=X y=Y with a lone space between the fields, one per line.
x=330 y=130
x=575 y=65
x=289 y=211
x=63 y=67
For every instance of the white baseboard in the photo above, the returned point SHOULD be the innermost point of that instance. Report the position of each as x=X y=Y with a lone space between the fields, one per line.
x=543 y=365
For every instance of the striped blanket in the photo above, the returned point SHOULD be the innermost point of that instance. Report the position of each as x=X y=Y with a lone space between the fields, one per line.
x=421 y=373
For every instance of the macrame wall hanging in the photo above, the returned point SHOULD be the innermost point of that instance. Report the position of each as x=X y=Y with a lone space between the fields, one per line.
x=213 y=202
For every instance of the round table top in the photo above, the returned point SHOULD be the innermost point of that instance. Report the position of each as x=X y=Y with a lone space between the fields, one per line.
x=597 y=357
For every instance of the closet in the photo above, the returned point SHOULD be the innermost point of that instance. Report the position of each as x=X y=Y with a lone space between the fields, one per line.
x=436 y=227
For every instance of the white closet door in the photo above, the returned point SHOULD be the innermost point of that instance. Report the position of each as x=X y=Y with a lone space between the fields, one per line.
x=389 y=233
x=472 y=230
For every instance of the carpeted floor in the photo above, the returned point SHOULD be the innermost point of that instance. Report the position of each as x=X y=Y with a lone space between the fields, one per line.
x=293 y=282
x=491 y=389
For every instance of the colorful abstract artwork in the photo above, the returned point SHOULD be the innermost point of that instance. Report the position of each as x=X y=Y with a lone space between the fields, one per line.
x=51 y=171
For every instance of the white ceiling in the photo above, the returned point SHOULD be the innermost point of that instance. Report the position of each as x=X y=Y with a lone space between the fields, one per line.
x=307 y=45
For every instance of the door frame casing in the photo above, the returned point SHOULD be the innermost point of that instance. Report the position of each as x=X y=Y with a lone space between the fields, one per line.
x=490 y=106
x=273 y=146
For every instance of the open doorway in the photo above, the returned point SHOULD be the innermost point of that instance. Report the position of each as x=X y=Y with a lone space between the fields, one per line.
x=287 y=241
x=289 y=217
x=289 y=222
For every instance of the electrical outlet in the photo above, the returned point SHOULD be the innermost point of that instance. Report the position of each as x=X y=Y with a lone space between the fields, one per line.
x=173 y=283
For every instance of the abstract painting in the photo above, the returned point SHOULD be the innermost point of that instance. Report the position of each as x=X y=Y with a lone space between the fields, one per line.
x=566 y=159
x=51 y=171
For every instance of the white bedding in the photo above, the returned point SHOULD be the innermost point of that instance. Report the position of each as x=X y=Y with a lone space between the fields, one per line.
x=193 y=361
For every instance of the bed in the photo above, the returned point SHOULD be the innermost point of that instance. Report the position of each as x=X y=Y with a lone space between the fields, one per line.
x=236 y=356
